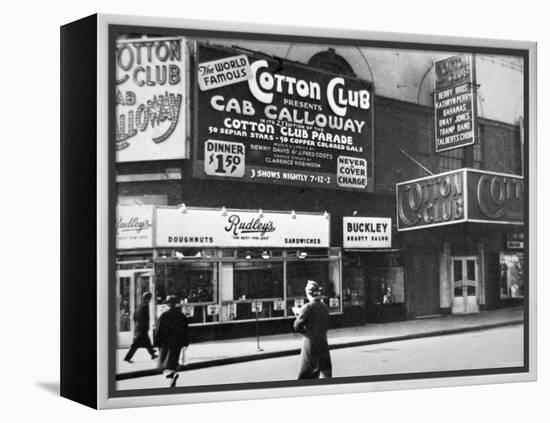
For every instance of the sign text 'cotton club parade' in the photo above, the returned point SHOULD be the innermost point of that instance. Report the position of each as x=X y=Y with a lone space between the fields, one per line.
x=460 y=196
x=267 y=120
x=150 y=99
x=454 y=103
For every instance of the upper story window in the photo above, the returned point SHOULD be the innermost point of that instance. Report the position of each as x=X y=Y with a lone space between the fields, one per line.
x=331 y=61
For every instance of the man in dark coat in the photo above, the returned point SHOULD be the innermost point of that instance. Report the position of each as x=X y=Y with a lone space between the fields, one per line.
x=313 y=321
x=141 y=331
x=171 y=336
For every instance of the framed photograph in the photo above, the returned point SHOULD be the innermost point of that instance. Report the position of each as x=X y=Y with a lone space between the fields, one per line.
x=265 y=211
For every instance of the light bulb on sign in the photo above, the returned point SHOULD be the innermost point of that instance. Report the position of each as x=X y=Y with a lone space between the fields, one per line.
x=293 y=215
x=260 y=213
x=183 y=208
x=224 y=211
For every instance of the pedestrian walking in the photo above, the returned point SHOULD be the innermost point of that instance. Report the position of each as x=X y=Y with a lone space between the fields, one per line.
x=141 y=331
x=171 y=336
x=312 y=321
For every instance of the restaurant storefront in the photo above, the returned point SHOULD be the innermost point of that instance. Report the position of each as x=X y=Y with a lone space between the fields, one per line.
x=227 y=267
x=465 y=228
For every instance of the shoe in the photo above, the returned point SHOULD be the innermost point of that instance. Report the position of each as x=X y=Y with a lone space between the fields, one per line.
x=128 y=360
x=174 y=379
x=154 y=356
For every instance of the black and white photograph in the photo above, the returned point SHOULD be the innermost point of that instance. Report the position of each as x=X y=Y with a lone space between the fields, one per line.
x=293 y=211
x=275 y=212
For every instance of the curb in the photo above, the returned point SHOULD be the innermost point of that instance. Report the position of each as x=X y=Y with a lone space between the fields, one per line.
x=296 y=351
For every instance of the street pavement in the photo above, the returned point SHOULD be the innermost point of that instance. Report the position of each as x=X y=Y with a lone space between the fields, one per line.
x=214 y=353
x=483 y=349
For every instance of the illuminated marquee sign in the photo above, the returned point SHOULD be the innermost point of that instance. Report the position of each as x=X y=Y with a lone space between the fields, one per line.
x=261 y=119
x=460 y=196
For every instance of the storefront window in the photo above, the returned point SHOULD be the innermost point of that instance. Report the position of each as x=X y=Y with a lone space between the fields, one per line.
x=326 y=273
x=387 y=285
x=353 y=293
x=195 y=283
x=257 y=279
x=511 y=275
x=258 y=289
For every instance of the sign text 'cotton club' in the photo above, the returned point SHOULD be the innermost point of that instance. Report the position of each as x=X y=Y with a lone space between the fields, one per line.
x=262 y=120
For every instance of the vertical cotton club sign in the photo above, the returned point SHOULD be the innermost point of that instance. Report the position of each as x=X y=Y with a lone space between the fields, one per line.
x=150 y=99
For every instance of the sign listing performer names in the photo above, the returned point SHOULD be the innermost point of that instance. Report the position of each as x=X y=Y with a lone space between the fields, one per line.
x=265 y=120
x=454 y=103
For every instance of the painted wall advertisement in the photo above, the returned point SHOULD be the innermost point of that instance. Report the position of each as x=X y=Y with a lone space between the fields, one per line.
x=150 y=99
x=367 y=232
x=454 y=103
x=134 y=227
x=267 y=120
x=460 y=196
x=239 y=228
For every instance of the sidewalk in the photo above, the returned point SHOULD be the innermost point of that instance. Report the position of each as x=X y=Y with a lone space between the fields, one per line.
x=213 y=353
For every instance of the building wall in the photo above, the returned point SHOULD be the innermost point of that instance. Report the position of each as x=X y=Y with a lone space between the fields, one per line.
x=408 y=75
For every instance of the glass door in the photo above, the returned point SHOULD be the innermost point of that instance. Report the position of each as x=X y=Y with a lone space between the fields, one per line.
x=130 y=286
x=465 y=276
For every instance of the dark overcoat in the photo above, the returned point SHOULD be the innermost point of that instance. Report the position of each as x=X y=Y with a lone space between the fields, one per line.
x=141 y=319
x=313 y=323
x=171 y=336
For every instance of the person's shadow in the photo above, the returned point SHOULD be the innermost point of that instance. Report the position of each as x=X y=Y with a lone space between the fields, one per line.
x=51 y=387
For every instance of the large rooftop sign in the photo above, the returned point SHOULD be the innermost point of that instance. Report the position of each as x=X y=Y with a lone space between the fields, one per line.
x=464 y=195
x=261 y=119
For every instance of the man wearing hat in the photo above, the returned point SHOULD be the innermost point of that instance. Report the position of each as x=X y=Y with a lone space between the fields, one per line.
x=313 y=321
x=141 y=331
x=171 y=336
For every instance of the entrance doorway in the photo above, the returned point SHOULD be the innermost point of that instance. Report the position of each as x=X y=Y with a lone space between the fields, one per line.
x=465 y=274
x=130 y=286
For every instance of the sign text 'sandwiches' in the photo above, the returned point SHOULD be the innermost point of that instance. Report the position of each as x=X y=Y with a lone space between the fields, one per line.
x=454 y=103
x=150 y=106
x=264 y=120
x=442 y=199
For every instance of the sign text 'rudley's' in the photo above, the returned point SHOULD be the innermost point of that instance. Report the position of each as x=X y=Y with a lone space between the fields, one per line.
x=442 y=199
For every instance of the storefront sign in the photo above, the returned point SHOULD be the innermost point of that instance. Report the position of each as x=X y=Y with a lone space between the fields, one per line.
x=134 y=227
x=460 y=196
x=278 y=305
x=150 y=99
x=239 y=228
x=299 y=302
x=515 y=240
x=333 y=302
x=272 y=121
x=256 y=306
x=232 y=311
x=213 y=309
x=367 y=232
x=454 y=103
x=188 y=310
x=161 y=308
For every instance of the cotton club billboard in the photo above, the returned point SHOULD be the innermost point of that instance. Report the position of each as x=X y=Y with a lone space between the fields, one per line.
x=262 y=119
